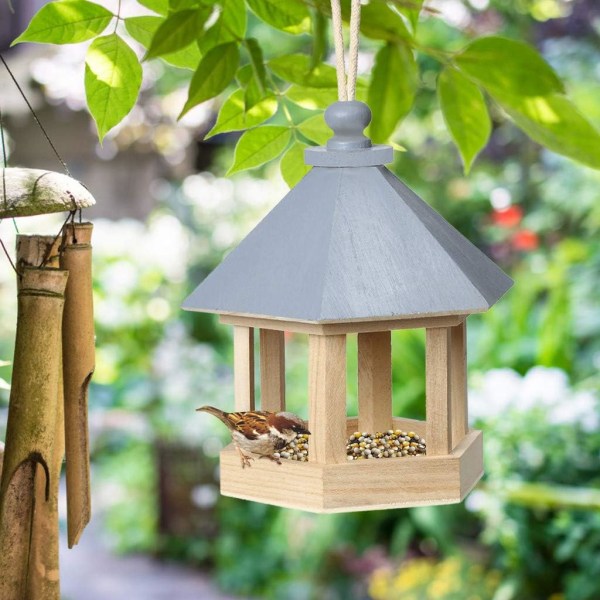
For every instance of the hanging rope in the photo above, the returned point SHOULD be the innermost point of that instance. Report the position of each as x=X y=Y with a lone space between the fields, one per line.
x=346 y=83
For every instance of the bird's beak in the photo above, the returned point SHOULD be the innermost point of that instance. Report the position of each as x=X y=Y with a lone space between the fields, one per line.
x=305 y=431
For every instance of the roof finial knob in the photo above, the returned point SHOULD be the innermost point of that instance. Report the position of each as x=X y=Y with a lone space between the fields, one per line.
x=348 y=121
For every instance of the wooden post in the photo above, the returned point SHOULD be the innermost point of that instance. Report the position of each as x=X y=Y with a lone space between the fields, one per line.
x=43 y=582
x=78 y=367
x=375 y=381
x=243 y=368
x=327 y=398
x=272 y=370
x=458 y=383
x=438 y=391
x=31 y=428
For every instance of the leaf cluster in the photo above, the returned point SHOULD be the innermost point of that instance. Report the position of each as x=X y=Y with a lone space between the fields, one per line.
x=278 y=102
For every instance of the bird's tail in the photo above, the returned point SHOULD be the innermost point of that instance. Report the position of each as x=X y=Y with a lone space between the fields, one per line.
x=221 y=415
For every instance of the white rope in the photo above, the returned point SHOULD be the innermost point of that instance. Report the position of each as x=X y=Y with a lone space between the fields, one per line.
x=338 y=39
x=354 y=38
x=346 y=87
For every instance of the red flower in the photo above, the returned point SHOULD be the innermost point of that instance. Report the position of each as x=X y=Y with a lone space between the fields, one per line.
x=525 y=240
x=508 y=217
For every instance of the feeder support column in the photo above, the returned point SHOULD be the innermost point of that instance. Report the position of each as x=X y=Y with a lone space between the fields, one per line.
x=327 y=398
x=438 y=391
x=272 y=370
x=375 y=381
x=458 y=383
x=243 y=368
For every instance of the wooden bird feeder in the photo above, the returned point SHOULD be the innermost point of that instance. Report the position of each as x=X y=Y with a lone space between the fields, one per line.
x=352 y=250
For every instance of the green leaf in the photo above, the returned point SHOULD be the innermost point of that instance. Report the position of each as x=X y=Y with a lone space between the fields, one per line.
x=142 y=29
x=392 y=90
x=244 y=75
x=113 y=77
x=66 y=22
x=230 y=26
x=506 y=66
x=380 y=22
x=257 y=88
x=213 y=75
x=293 y=168
x=411 y=9
x=158 y=6
x=176 y=32
x=234 y=17
x=318 y=98
x=311 y=98
x=296 y=68
x=315 y=129
x=555 y=122
x=233 y=117
x=258 y=146
x=177 y=5
x=465 y=113
x=319 y=34
x=291 y=16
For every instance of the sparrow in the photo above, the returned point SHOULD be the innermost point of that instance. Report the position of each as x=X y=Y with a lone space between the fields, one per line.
x=259 y=432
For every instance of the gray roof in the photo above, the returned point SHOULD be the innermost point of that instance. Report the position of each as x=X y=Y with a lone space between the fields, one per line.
x=351 y=242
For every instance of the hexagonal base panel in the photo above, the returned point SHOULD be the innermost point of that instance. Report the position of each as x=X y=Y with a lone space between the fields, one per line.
x=357 y=485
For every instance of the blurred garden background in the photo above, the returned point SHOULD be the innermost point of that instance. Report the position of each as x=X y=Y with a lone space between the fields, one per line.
x=167 y=214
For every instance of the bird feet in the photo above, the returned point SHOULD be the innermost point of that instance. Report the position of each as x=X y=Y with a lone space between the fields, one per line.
x=246 y=460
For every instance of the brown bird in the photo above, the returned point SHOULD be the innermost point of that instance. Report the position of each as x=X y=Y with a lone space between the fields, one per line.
x=260 y=432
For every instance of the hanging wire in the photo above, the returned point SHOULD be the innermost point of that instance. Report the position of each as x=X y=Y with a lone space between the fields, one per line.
x=37 y=120
x=346 y=83
x=73 y=212
x=12 y=264
x=71 y=217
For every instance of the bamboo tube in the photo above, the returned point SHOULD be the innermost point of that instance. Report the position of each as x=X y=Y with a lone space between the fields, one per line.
x=43 y=582
x=78 y=367
x=31 y=428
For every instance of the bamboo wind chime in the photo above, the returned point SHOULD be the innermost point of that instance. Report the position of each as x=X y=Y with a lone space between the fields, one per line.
x=52 y=367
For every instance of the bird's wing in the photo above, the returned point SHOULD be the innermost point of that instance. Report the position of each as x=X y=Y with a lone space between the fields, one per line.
x=250 y=424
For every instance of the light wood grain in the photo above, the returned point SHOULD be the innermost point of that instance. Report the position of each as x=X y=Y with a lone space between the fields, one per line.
x=438 y=404
x=272 y=370
x=243 y=368
x=327 y=398
x=458 y=383
x=375 y=381
x=358 y=485
x=339 y=328
x=291 y=484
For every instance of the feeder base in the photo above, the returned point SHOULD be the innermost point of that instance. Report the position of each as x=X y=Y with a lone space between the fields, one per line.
x=374 y=484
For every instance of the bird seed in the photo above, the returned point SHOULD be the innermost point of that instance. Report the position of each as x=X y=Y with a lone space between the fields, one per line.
x=361 y=445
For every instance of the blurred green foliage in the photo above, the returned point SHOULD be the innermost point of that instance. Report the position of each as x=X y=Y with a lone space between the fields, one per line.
x=531 y=529
x=227 y=45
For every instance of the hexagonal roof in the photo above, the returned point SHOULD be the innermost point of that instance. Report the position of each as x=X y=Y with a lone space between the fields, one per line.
x=351 y=243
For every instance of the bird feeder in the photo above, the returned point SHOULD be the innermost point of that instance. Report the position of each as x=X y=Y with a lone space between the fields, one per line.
x=352 y=250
